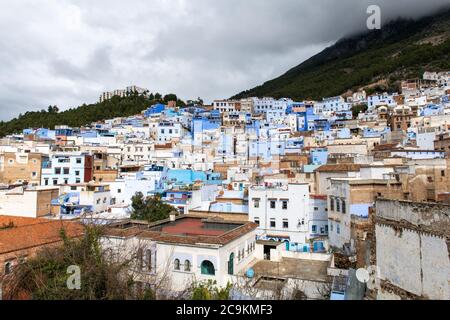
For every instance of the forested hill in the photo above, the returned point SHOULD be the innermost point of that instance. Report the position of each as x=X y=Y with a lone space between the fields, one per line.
x=378 y=60
x=83 y=115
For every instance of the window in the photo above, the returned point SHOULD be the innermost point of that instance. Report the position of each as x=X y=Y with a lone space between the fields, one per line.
x=338 y=205
x=66 y=170
x=66 y=181
x=331 y=227
x=57 y=170
x=314 y=228
x=284 y=205
x=272 y=204
x=256 y=203
x=140 y=259
x=257 y=220
x=176 y=264
x=272 y=223
x=79 y=160
x=8 y=267
x=34 y=174
x=207 y=268
x=187 y=265
x=343 y=207
x=338 y=228
x=326 y=229
x=119 y=191
x=46 y=182
x=231 y=264
x=148 y=259
x=331 y=203
x=442 y=173
x=285 y=223
x=55 y=182
x=77 y=180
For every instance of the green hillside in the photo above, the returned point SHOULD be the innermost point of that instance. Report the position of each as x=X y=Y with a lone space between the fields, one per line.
x=85 y=114
x=378 y=60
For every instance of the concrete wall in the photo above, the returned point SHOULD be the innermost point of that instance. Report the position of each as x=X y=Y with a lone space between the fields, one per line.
x=19 y=204
x=412 y=249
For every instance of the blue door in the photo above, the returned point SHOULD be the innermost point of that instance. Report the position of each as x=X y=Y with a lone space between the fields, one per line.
x=318 y=246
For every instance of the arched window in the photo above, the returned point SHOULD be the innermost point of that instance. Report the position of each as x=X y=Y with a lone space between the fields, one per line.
x=8 y=268
x=187 y=265
x=140 y=258
x=176 y=264
x=207 y=268
x=148 y=260
x=231 y=264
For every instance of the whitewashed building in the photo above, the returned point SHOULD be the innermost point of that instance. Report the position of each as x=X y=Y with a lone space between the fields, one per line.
x=281 y=211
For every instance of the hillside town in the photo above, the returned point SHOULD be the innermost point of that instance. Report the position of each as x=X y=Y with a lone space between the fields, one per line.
x=344 y=198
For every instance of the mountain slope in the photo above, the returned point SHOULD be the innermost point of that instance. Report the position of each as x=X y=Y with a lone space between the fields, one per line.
x=402 y=49
x=82 y=115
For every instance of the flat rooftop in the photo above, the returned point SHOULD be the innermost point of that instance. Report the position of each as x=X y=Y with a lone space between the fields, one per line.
x=184 y=230
x=195 y=226
x=292 y=268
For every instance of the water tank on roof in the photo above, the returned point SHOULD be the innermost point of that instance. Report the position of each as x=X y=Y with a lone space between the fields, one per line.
x=250 y=273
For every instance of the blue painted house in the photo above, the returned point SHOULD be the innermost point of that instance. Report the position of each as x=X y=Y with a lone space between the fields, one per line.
x=154 y=109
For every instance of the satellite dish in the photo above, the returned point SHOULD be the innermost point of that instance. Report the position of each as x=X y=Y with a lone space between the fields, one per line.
x=250 y=273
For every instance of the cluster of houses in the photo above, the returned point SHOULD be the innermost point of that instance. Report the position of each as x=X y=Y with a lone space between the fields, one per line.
x=281 y=198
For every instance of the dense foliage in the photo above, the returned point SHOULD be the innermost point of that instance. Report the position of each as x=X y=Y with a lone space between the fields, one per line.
x=150 y=209
x=84 y=115
x=45 y=276
x=403 y=49
x=208 y=290
x=357 y=109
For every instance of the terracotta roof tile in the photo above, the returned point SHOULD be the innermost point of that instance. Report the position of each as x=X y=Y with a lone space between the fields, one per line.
x=33 y=232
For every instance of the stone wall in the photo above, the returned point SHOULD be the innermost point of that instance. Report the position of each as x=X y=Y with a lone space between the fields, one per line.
x=412 y=249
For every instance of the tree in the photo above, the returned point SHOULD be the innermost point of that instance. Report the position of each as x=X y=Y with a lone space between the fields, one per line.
x=150 y=208
x=76 y=117
x=170 y=97
x=357 y=109
x=45 y=276
x=210 y=291
x=199 y=101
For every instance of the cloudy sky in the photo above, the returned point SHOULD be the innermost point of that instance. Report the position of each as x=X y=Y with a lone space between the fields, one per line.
x=67 y=52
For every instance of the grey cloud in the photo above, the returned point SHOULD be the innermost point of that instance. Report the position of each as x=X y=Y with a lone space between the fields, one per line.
x=68 y=52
